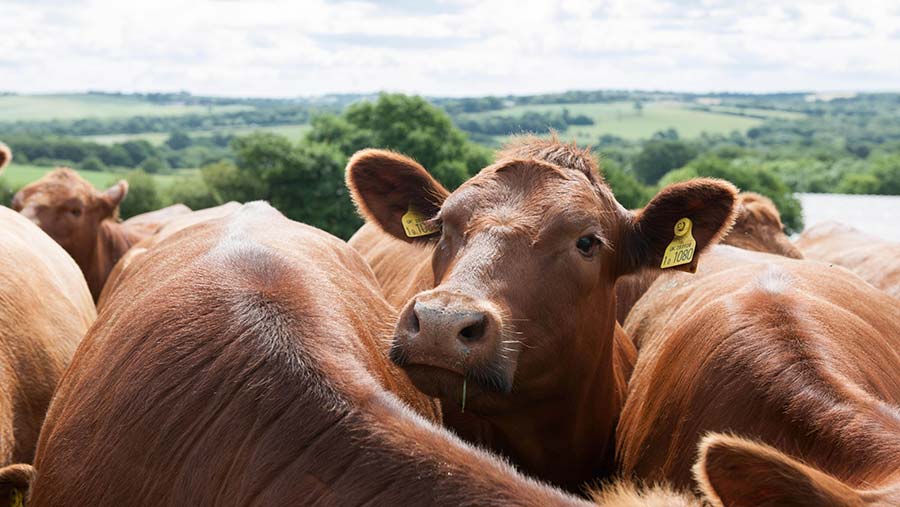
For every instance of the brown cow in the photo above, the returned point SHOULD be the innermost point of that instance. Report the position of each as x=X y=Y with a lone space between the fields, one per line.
x=244 y=362
x=82 y=220
x=152 y=221
x=799 y=355
x=757 y=226
x=45 y=309
x=874 y=259
x=169 y=226
x=517 y=319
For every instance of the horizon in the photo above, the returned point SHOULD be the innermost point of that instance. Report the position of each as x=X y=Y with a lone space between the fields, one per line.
x=449 y=48
x=429 y=96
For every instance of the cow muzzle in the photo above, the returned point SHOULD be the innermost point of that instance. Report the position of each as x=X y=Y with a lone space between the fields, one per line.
x=442 y=337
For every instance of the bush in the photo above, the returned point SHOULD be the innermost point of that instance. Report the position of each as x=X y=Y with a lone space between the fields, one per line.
x=191 y=191
x=143 y=194
x=154 y=165
x=93 y=163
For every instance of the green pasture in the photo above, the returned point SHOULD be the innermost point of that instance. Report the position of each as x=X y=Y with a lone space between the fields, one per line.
x=292 y=131
x=623 y=120
x=18 y=175
x=75 y=106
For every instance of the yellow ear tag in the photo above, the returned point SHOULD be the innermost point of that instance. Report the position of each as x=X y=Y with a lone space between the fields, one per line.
x=16 y=498
x=415 y=224
x=681 y=249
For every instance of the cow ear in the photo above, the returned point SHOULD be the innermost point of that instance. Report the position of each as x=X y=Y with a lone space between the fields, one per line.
x=390 y=189
x=115 y=194
x=14 y=483
x=708 y=205
x=733 y=472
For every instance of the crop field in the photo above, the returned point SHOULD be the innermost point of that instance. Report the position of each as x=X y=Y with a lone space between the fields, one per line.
x=69 y=107
x=622 y=120
x=293 y=132
x=19 y=175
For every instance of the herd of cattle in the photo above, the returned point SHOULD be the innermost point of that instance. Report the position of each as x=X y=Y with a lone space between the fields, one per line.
x=514 y=342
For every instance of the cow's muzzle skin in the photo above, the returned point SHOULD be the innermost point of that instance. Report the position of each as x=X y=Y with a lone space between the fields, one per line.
x=452 y=332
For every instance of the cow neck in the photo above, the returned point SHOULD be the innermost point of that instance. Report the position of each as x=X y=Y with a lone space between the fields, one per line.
x=460 y=475
x=570 y=426
x=113 y=240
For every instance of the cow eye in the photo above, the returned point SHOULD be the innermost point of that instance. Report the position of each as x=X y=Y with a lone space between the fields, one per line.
x=587 y=245
x=76 y=212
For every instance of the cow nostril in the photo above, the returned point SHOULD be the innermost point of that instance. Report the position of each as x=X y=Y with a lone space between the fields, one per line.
x=413 y=321
x=474 y=332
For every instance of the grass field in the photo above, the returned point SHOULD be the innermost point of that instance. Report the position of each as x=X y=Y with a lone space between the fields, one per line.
x=621 y=119
x=294 y=132
x=766 y=113
x=19 y=175
x=67 y=107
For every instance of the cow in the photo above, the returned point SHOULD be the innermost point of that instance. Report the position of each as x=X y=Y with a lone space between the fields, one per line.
x=152 y=221
x=244 y=361
x=799 y=355
x=168 y=226
x=874 y=259
x=82 y=220
x=757 y=227
x=45 y=309
x=511 y=318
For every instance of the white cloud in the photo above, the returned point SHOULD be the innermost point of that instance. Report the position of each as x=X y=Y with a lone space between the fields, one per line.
x=449 y=47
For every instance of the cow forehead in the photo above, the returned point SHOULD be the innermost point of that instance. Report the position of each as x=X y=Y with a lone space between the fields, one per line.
x=54 y=188
x=524 y=199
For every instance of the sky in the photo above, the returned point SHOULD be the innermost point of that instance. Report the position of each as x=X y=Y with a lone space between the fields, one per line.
x=274 y=48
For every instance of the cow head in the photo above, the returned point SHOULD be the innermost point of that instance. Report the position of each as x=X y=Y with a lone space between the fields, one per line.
x=525 y=257
x=757 y=226
x=69 y=209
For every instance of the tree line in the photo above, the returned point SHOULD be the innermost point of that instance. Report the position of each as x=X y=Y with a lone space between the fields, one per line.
x=844 y=149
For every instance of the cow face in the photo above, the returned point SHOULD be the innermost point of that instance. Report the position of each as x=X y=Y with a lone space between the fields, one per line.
x=758 y=227
x=69 y=209
x=526 y=255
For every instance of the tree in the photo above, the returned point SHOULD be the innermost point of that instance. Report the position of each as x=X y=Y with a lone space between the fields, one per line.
x=138 y=150
x=747 y=175
x=143 y=194
x=304 y=181
x=627 y=189
x=178 y=140
x=93 y=163
x=191 y=191
x=858 y=183
x=886 y=169
x=418 y=129
x=153 y=165
x=659 y=156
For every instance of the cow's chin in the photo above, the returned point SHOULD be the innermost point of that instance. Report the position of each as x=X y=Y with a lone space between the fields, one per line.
x=481 y=386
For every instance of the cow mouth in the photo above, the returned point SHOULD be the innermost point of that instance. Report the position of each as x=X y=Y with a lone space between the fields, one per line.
x=448 y=385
